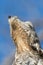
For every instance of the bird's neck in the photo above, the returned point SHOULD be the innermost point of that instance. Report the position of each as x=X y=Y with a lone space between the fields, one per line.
x=21 y=46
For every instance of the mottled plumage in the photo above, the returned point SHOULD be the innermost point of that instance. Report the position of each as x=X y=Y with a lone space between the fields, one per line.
x=28 y=50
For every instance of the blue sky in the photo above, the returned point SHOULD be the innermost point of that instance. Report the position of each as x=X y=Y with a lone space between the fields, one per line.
x=31 y=10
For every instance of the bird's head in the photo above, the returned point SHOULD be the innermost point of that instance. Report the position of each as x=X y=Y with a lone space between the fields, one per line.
x=17 y=26
x=17 y=23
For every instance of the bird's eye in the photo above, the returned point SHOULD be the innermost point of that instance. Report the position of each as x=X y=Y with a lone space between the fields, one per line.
x=31 y=27
x=14 y=27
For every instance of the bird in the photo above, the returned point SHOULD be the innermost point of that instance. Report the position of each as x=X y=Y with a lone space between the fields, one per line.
x=26 y=41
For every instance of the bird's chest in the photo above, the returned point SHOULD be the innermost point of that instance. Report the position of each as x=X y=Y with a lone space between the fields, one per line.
x=25 y=59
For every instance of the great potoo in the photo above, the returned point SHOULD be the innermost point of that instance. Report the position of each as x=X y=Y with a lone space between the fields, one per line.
x=25 y=39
